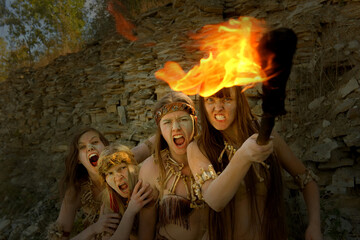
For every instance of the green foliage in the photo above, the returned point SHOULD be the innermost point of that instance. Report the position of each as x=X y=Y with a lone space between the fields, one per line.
x=40 y=27
x=40 y=30
x=99 y=21
x=4 y=57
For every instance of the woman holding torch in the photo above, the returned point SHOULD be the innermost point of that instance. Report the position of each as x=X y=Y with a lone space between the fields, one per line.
x=226 y=159
x=238 y=173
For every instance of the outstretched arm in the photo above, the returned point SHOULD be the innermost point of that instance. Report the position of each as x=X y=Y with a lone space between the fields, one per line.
x=143 y=150
x=229 y=180
x=310 y=192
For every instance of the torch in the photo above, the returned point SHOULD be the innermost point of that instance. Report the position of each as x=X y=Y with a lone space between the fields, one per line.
x=270 y=62
x=279 y=45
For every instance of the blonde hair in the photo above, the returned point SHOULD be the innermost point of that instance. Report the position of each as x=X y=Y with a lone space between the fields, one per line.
x=113 y=155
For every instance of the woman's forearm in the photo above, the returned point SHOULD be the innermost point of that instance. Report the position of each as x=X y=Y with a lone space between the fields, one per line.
x=312 y=200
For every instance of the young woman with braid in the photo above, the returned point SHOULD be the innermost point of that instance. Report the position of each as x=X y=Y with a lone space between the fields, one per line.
x=177 y=213
x=82 y=186
x=241 y=180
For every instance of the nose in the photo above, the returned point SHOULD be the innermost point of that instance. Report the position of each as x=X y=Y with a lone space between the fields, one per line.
x=118 y=176
x=219 y=105
x=176 y=125
x=90 y=147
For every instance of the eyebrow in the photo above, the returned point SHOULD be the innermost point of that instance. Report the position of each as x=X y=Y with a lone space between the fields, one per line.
x=90 y=139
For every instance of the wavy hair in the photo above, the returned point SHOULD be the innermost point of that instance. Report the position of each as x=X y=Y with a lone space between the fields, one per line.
x=76 y=173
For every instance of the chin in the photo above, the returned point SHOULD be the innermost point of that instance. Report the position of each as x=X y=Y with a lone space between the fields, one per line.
x=180 y=151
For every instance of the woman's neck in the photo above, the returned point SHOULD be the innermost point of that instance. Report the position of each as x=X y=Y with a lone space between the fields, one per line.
x=180 y=158
x=96 y=180
x=231 y=135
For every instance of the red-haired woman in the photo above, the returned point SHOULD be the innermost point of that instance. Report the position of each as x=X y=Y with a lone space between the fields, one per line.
x=81 y=188
x=240 y=180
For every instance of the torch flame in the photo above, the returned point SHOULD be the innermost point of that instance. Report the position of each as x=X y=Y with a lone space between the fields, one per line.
x=232 y=59
x=123 y=27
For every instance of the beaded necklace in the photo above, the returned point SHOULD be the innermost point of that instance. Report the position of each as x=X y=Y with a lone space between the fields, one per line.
x=231 y=150
x=173 y=169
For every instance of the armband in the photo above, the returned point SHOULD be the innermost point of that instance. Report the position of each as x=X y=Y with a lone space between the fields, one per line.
x=55 y=232
x=200 y=179
x=303 y=179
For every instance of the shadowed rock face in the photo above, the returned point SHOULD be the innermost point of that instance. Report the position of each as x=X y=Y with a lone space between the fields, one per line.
x=111 y=86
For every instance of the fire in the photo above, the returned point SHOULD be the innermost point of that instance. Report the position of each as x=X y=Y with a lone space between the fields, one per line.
x=123 y=27
x=232 y=59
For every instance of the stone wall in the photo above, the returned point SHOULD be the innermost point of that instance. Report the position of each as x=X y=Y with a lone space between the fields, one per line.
x=110 y=85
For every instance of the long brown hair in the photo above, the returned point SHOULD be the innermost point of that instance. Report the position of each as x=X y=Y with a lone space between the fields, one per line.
x=211 y=143
x=160 y=143
x=76 y=173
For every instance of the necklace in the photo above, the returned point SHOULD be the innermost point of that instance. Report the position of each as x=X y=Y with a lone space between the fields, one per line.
x=88 y=201
x=231 y=150
x=173 y=169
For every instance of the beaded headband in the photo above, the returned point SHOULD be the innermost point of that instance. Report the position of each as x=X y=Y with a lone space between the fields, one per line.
x=116 y=158
x=173 y=107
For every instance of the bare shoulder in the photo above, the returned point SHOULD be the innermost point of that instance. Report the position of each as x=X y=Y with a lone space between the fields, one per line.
x=194 y=152
x=193 y=148
x=287 y=158
x=149 y=170
x=192 y=145
x=279 y=142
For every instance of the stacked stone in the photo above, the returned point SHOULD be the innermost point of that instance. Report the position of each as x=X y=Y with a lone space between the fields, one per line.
x=110 y=85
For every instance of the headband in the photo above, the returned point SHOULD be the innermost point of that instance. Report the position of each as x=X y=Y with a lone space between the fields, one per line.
x=116 y=158
x=173 y=107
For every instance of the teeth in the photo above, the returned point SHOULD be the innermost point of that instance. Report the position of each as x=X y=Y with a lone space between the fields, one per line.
x=91 y=155
x=220 y=117
x=121 y=186
x=178 y=136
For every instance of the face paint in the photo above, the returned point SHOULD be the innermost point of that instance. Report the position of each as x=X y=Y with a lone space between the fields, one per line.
x=177 y=128
x=221 y=112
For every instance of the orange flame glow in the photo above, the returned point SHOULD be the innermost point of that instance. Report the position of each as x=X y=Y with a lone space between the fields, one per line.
x=232 y=59
x=123 y=27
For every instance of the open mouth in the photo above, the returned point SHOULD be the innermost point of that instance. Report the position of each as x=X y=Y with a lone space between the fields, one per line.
x=179 y=140
x=93 y=158
x=123 y=187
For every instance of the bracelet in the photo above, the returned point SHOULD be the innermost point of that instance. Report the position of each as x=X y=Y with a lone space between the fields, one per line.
x=55 y=232
x=200 y=179
x=303 y=179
